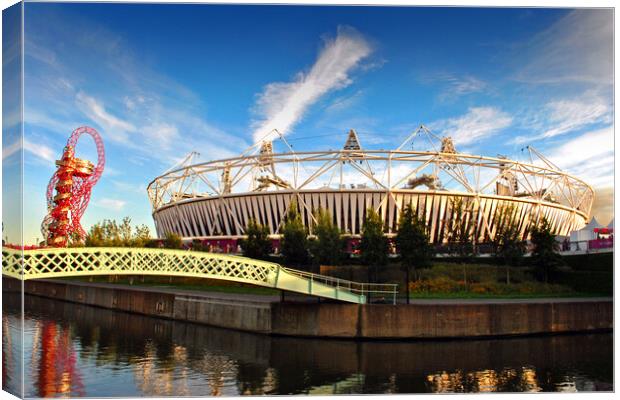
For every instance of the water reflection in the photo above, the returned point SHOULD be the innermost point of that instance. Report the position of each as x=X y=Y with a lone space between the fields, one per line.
x=73 y=350
x=509 y=379
x=56 y=373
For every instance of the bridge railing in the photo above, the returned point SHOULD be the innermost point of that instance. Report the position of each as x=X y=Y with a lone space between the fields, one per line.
x=89 y=261
x=386 y=290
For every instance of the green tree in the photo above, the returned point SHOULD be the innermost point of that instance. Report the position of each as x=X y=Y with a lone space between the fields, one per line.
x=508 y=244
x=412 y=242
x=76 y=241
x=173 y=241
x=153 y=244
x=545 y=258
x=95 y=236
x=142 y=236
x=105 y=233
x=294 y=237
x=374 y=244
x=197 y=245
x=257 y=244
x=328 y=248
x=459 y=229
x=125 y=232
x=109 y=233
x=112 y=233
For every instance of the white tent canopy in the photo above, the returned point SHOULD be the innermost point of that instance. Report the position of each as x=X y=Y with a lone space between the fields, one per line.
x=611 y=224
x=587 y=232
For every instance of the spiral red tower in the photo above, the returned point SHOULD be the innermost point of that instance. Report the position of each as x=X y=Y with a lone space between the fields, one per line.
x=73 y=181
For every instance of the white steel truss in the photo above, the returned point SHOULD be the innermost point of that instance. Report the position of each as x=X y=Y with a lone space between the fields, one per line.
x=196 y=202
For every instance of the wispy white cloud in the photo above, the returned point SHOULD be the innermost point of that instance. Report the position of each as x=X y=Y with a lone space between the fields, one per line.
x=109 y=171
x=281 y=105
x=343 y=103
x=163 y=133
x=129 y=187
x=9 y=150
x=94 y=109
x=466 y=85
x=452 y=86
x=39 y=150
x=589 y=156
x=577 y=48
x=42 y=119
x=41 y=53
x=573 y=114
x=130 y=103
x=479 y=123
x=111 y=204
x=562 y=116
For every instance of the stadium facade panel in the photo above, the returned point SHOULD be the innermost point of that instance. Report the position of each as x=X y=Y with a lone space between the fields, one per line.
x=226 y=216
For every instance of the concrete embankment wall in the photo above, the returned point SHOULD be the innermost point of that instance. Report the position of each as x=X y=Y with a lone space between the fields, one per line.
x=428 y=320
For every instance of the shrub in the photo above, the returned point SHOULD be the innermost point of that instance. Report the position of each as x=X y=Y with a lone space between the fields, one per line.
x=481 y=280
x=545 y=258
x=294 y=237
x=109 y=233
x=374 y=245
x=257 y=243
x=508 y=244
x=172 y=241
x=197 y=245
x=328 y=247
x=460 y=229
x=440 y=284
x=412 y=243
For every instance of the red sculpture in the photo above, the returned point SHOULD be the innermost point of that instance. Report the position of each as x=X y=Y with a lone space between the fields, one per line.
x=73 y=182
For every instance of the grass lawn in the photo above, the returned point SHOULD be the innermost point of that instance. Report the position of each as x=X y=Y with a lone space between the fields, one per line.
x=479 y=281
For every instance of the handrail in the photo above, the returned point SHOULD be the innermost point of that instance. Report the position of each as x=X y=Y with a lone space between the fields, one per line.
x=352 y=286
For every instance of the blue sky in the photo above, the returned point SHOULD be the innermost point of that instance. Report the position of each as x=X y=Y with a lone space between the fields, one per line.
x=159 y=81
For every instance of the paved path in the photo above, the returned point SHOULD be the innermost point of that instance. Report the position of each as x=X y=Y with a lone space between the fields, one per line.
x=512 y=301
x=300 y=298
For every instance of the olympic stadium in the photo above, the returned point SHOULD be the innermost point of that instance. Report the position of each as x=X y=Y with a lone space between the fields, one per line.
x=213 y=201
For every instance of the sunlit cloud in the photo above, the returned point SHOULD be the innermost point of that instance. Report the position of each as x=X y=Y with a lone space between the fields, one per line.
x=589 y=156
x=453 y=85
x=39 y=150
x=132 y=188
x=479 y=123
x=282 y=105
x=9 y=150
x=345 y=102
x=566 y=115
x=111 y=204
x=577 y=48
x=94 y=109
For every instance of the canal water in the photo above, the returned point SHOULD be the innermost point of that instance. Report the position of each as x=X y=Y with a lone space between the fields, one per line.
x=75 y=350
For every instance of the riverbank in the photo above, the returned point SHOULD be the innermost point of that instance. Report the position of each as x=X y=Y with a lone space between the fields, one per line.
x=423 y=319
x=145 y=356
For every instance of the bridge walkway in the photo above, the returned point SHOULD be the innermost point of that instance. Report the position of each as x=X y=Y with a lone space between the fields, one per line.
x=90 y=261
